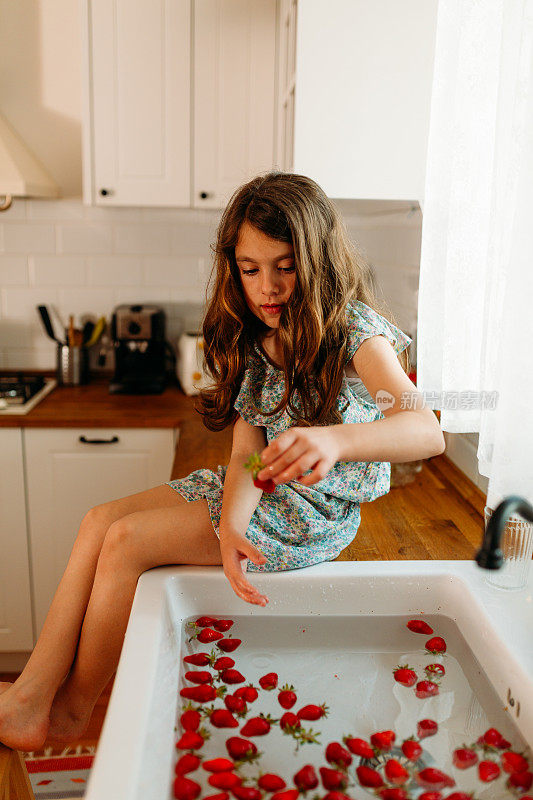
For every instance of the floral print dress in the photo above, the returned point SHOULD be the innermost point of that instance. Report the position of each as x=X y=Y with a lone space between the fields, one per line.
x=298 y=525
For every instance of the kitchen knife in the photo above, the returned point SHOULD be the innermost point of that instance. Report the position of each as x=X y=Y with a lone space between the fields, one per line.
x=45 y=317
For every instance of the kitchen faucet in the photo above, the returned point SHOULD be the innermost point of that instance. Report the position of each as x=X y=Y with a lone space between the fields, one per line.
x=490 y=555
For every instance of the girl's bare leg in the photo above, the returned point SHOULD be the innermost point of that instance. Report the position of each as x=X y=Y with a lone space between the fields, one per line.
x=133 y=544
x=25 y=704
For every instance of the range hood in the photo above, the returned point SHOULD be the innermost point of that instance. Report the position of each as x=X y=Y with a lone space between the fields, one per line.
x=21 y=174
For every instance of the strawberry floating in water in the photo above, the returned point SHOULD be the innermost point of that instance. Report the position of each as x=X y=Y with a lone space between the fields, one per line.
x=337 y=754
x=256 y=726
x=198 y=659
x=246 y=793
x=287 y=696
x=430 y=796
x=513 y=762
x=200 y=694
x=201 y=676
x=288 y=794
x=336 y=795
x=393 y=793
x=289 y=721
x=434 y=670
x=521 y=781
x=232 y=676
x=426 y=689
x=396 y=772
x=237 y=705
x=359 y=747
x=240 y=749
x=431 y=778
x=191 y=740
x=426 y=727
x=218 y=765
x=190 y=720
x=255 y=465
x=228 y=645
x=405 y=675
x=436 y=645
x=185 y=789
x=459 y=796
x=419 y=626
x=207 y=635
x=369 y=777
x=488 y=771
x=271 y=783
x=493 y=738
x=268 y=681
x=224 y=780
x=306 y=778
x=333 y=778
x=224 y=662
x=220 y=796
x=205 y=622
x=222 y=718
x=411 y=749
x=223 y=624
x=464 y=757
x=383 y=740
x=187 y=763
x=313 y=712
x=248 y=693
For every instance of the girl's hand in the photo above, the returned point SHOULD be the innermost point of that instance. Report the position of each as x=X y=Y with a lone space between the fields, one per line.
x=297 y=450
x=236 y=550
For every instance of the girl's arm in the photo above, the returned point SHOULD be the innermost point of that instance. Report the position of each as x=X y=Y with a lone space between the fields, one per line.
x=240 y=498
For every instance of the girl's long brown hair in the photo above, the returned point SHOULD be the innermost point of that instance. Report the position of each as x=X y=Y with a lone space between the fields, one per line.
x=312 y=332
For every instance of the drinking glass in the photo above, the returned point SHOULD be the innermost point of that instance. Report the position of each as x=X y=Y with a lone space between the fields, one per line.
x=517 y=547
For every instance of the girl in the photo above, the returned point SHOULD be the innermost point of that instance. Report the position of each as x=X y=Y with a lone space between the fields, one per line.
x=300 y=360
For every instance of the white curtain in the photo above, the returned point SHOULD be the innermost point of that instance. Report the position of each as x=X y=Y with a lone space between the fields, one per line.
x=475 y=307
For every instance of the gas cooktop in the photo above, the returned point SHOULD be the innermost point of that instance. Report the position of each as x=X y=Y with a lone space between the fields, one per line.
x=20 y=392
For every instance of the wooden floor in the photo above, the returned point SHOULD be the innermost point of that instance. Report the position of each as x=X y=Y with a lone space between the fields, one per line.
x=438 y=516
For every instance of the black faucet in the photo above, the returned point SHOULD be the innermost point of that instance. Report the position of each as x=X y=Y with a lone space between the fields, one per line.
x=490 y=556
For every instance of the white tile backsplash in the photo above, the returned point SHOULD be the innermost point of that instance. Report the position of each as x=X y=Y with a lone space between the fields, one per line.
x=87 y=260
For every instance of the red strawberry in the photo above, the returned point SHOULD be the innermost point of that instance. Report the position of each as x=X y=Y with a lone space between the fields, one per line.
x=358 y=747
x=333 y=778
x=289 y=720
x=200 y=694
x=369 y=777
x=205 y=622
x=405 y=676
x=234 y=704
x=246 y=793
x=224 y=662
x=393 y=793
x=337 y=754
x=268 y=681
x=335 y=795
x=271 y=783
x=198 y=659
x=426 y=727
x=248 y=693
x=430 y=796
x=190 y=720
x=221 y=796
x=228 y=645
x=513 y=762
x=240 y=749
x=232 y=676
x=459 y=796
x=411 y=750
x=488 y=771
x=288 y=794
x=267 y=486
x=255 y=465
x=493 y=738
x=395 y=772
x=419 y=626
x=287 y=696
x=208 y=635
x=431 y=778
x=224 y=780
x=222 y=718
x=223 y=624
x=434 y=670
x=187 y=763
x=464 y=757
x=383 y=740
x=185 y=789
x=426 y=689
x=202 y=676
x=312 y=712
x=191 y=740
x=306 y=778
x=521 y=781
x=436 y=645
x=256 y=726
x=218 y=765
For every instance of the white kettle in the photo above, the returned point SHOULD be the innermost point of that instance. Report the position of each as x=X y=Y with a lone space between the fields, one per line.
x=189 y=363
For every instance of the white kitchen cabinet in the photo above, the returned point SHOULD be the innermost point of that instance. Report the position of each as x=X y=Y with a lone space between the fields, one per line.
x=158 y=132
x=286 y=86
x=363 y=91
x=15 y=602
x=68 y=471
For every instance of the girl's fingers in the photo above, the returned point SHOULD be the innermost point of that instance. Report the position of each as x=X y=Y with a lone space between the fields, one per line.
x=283 y=461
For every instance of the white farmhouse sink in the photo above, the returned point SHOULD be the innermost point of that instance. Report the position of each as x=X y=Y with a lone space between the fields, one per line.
x=336 y=630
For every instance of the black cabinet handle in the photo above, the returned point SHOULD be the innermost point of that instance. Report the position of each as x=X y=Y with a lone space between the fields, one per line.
x=85 y=440
x=106 y=192
x=204 y=195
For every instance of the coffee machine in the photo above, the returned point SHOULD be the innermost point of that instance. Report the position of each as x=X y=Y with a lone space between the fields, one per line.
x=138 y=334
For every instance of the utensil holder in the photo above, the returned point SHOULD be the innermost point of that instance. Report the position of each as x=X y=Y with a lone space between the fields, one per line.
x=517 y=548
x=72 y=365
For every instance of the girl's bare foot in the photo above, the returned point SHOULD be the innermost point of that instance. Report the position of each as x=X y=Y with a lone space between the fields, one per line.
x=69 y=716
x=23 y=718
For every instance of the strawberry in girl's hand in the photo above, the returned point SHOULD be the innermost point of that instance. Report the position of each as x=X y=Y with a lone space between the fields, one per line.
x=359 y=747
x=419 y=626
x=488 y=771
x=271 y=783
x=513 y=762
x=187 y=763
x=436 y=645
x=185 y=789
x=464 y=757
x=337 y=754
x=383 y=740
x=426 y=727
x=268 y=681
x=426 y=689
x=287 y=696
x=306 y=778
x=369 y=777
x=405 y=675
x=411 y=749
x=255 y=465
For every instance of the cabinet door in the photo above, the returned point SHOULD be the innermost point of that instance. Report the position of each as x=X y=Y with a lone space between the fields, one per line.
x=363 y=91
x=234 y=95
x=286 y=61
x=15 y=603
x=137 y=126
x=68 y=471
